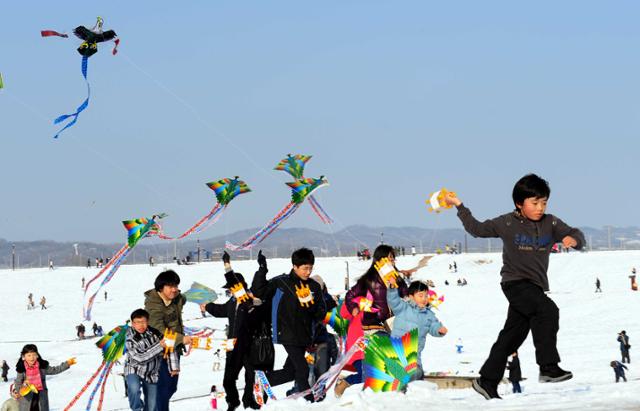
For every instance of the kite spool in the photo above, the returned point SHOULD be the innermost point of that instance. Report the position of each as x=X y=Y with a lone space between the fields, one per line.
x=436 y=201
x=170 y=341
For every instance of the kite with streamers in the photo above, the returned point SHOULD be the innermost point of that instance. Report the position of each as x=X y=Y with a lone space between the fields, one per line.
x=390 y=363
x=294 y=166
x=90 y=39
x=226 y=190
x=136 y=230
x=200 y=294
x=300 y=190
x=113 y=347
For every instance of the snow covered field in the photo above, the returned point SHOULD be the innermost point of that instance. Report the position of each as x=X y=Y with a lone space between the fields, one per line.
x=589 y=324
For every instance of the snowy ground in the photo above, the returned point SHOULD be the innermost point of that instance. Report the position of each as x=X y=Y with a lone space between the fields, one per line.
x=589 y=324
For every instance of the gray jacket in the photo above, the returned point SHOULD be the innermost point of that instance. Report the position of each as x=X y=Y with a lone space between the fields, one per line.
x=526 y=243
x=25 y=402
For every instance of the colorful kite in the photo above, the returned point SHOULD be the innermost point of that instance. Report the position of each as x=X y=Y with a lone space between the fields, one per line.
x=365 y=304
x=339 y=324
x=390 y=363
x=89 y=47
x=300 y=190
x=113 y=347
x=434 y=300
x=294 y=165
x=136 y=230
x=436 y=200
x=226 y=190
x=200 y=294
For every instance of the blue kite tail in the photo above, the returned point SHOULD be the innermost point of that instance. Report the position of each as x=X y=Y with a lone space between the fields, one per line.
x=81 y=107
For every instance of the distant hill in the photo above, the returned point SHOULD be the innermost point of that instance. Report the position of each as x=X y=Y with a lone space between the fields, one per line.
x=343 y=242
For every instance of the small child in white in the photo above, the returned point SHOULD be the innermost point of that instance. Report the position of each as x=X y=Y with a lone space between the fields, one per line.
x=414 y=313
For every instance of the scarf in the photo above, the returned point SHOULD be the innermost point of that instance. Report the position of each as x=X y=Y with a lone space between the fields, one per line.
x=33 y=375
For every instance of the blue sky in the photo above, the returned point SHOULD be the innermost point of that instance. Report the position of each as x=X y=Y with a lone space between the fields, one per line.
x=393 y=99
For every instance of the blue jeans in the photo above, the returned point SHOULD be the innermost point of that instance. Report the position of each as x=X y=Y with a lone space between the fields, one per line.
x=355 y=378
x=134 y=385
x=167 y=386
x=516 y=387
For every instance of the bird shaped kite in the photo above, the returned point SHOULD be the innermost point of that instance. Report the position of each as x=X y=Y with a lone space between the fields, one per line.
x=90 y=39
x=225 y=190
x=113 y=348
x=137 y=229
x=300 y=190
x=390 y=363
x=294 y=165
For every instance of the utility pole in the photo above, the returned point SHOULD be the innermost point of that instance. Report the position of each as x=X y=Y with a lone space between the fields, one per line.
x=381 y=238
x=466 y=250
x=198 y=243
x=13 y=257
x=346 y=278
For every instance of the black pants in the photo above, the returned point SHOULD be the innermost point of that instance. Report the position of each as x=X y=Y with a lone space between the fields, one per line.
x=235 y=361
x=295 y=368
x=625 y=356
x=529 y=309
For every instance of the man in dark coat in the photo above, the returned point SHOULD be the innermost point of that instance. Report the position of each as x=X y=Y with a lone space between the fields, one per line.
x=239 y=310
x=296 y=303
x=515 y=374
x=623 y=339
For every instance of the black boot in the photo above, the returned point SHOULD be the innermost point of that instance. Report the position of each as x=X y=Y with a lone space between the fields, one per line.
x=488 y=389
x=553 y=373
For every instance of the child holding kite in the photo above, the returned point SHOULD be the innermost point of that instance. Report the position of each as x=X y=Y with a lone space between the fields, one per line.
x=30 y=386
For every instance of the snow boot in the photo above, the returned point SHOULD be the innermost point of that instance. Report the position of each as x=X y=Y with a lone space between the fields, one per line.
x=341 y=385
x=553 y=373
x=488 y=389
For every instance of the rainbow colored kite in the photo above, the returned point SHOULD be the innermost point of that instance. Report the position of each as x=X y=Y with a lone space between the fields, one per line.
x=113 y=348
x=137 y=229
x=300 y=190
x=226 y=190
x=294 y=166
x=89 y=47
x=390 y=363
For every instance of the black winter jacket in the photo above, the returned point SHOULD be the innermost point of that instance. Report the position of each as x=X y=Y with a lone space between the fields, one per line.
x=291 y=322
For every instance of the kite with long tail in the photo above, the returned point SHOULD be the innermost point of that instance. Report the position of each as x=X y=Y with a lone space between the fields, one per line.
x=300 y=190
x=89 y=47
x=113 y=347
x=136 y=230
x=226 y=190
x=294 y=166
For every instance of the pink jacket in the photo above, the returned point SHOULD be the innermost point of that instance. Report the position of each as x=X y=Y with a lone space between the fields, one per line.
x=354 y=332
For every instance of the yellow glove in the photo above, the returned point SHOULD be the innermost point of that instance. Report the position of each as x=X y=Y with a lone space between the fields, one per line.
x=71 y=361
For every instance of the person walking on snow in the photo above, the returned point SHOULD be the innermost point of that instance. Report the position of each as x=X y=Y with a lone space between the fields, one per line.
x=598 y=289
x=515 y=374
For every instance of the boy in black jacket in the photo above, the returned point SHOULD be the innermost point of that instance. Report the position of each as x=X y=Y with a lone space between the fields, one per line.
x=528 y=234
x=296 y=303
x=239 y=310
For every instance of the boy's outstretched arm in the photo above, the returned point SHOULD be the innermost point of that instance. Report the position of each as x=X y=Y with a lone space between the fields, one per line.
x=474 y=227
x=260 y=286
x=570 y=237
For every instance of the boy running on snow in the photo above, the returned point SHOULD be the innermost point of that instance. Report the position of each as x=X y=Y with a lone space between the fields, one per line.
x=527 y=234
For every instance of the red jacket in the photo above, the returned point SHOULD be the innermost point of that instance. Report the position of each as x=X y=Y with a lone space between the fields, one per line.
x=354 y=332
